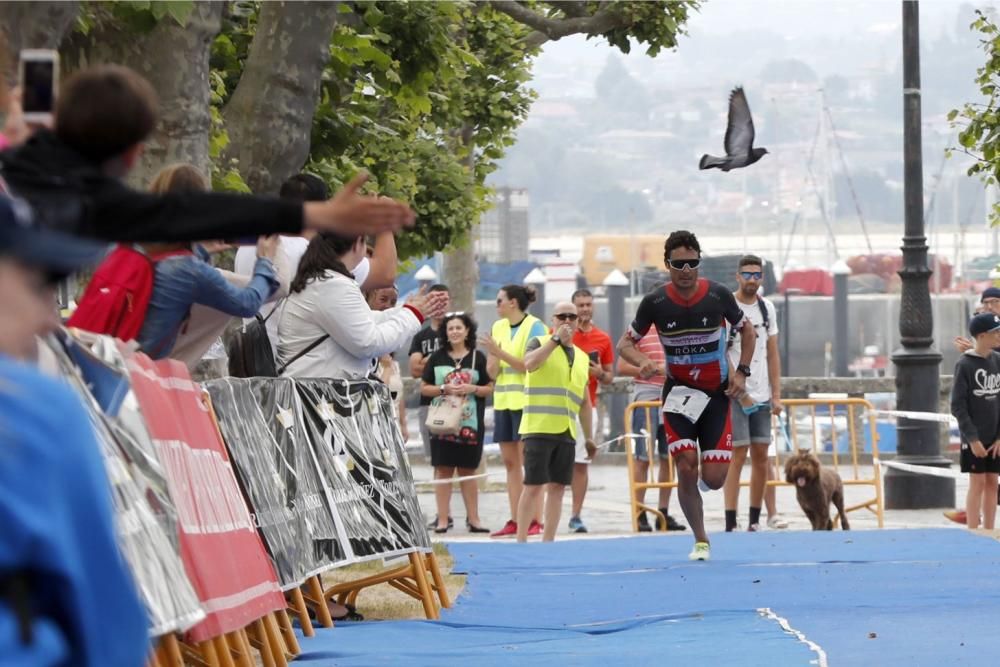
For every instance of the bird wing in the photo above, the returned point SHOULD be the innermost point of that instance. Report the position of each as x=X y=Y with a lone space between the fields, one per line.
x=739 y=131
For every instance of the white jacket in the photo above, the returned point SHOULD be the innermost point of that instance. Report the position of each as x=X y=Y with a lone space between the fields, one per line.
x=334 y=305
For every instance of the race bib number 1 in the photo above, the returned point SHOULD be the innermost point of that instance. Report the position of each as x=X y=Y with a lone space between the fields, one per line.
x=686 y=401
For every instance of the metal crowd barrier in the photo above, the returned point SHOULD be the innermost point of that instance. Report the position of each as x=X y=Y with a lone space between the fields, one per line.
x=816 y=424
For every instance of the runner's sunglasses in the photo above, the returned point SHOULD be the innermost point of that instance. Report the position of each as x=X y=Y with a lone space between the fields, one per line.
x=752 y=275
x=681 y=264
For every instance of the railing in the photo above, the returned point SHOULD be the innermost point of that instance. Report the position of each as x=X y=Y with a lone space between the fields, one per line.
x=844 y=416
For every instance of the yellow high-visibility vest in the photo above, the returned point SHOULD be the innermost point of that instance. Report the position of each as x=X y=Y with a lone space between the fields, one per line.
x=508 y=391
x=554 y=393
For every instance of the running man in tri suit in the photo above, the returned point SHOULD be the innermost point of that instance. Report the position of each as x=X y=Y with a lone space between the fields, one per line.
x=690 y=317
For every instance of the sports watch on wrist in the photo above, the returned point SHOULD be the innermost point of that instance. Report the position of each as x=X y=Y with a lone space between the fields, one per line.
x=556 y=339
x=743 y=368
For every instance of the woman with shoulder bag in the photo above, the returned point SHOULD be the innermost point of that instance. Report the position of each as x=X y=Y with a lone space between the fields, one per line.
x=456 y=376
x=326 y=328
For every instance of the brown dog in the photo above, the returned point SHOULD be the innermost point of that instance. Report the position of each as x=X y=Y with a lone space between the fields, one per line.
x=815 y=488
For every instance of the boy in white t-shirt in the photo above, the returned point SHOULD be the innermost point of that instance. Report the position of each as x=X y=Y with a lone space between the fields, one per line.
x=751 y=420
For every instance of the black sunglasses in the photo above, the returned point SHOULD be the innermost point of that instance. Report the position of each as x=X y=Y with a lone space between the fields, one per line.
x=566 y=316
x=681 y=264
x=499 y=301
x=752 y=275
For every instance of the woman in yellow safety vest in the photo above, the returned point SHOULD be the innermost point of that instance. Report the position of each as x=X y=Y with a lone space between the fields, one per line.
x=506 y=346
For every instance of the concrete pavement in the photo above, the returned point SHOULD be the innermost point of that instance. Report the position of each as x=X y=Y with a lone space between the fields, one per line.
x=606 y=509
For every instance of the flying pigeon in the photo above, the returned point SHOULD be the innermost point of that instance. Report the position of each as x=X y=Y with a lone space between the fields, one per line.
x=739 y=137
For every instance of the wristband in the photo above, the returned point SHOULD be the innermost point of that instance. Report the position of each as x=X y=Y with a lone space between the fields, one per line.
x=415 y=311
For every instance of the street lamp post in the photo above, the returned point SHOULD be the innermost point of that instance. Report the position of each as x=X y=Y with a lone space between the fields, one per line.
x=917 y=361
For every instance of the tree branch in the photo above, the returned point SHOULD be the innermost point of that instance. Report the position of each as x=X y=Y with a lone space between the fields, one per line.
x=553 y=29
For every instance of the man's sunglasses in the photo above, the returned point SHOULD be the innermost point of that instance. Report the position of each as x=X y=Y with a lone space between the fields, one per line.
x=752 y=275
x=681 y=264
x=562 y=317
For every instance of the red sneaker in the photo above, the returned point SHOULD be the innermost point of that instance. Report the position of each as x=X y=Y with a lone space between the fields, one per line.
x=534 y=529
x=958 y=516
x=509 y=530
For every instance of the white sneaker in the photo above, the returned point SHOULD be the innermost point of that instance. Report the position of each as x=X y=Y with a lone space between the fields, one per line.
x=777 y=522
x=702 y=486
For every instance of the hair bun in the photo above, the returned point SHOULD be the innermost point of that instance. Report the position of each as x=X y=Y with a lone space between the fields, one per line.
x=531 y=293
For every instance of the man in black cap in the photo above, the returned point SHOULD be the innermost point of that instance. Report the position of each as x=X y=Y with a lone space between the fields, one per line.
x=66 y=594
x=989 y=302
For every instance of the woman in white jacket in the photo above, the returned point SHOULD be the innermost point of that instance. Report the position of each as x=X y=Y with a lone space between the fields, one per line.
x=326 y=328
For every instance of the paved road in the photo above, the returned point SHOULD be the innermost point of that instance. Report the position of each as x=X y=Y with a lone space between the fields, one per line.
x=606 y=510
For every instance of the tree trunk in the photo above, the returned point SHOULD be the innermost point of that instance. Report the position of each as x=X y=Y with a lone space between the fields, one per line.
x=175 y=60
x=35 y=25
x=461 y=272
x=269 y=117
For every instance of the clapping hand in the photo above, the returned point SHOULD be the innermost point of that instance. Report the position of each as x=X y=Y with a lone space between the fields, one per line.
x=487 y=342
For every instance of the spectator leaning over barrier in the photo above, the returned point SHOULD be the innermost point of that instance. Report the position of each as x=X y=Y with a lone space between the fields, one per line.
x=424 y=344
x=66 y=594
x=643 y=390
x=601 y=356
x=506 y=347
x=975 y=403
x=376 y=272
x=458 y=369
x=73 y=175
x=556 y=405
x=387 y=369
x=325 y=327
x=182 y=280
x=751 y=418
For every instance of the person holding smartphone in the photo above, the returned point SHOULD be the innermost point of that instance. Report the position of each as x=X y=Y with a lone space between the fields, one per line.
x=600 y=352
x=74 y=177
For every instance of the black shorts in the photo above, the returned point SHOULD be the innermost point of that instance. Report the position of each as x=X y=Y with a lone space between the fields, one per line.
x=712 y=433
x=506 y=425
x=972 y=463
x=548 y=460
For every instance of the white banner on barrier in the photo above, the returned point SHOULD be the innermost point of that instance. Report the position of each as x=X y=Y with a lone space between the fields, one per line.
x=920 y=470
x=918 y=416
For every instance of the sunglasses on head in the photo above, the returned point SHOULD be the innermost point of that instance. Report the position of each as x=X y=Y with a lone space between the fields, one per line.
x=681 y=264
x=562 y=317
x=752 y=275
x=455 y=313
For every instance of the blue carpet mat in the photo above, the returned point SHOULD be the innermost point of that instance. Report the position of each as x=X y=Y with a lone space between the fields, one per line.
x=909 y=597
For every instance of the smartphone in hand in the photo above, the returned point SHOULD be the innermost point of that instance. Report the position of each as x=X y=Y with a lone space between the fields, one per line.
x=595 y=357
x=39 y=80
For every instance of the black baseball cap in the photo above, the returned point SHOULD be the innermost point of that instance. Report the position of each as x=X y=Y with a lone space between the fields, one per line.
x=57 y=253
x=984 y=323
x=990 y=293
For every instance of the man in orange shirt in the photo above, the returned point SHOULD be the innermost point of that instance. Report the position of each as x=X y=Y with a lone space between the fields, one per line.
x=598 y=346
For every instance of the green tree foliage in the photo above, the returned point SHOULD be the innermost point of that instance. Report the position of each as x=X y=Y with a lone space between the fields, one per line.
x=979 y=122
x=426 y=96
